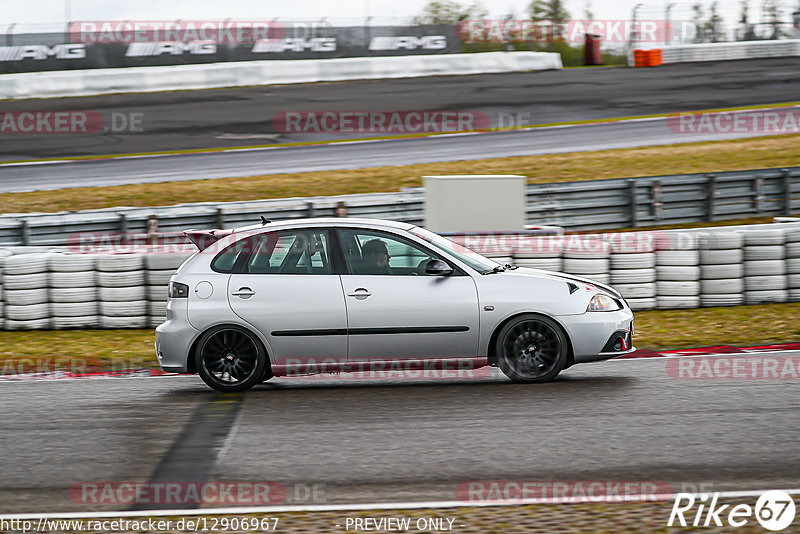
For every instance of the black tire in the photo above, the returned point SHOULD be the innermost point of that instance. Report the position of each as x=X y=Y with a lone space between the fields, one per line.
x=230 y=358
x=531 y=348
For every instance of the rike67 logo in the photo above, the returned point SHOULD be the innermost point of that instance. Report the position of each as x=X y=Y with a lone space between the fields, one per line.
x=774 y=511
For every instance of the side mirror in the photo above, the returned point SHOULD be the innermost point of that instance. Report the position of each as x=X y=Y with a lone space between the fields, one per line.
x=436 y=267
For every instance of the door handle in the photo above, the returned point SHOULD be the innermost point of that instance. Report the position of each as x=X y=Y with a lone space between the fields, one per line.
x=360 y=292
x=244 y=292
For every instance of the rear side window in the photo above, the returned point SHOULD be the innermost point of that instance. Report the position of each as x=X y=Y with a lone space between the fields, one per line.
x=226 y=261
x=287 y=252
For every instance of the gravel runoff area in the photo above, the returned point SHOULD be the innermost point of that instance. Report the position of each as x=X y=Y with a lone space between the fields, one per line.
x=614 y=517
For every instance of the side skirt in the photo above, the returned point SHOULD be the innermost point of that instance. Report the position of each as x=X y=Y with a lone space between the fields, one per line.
x=387 y=366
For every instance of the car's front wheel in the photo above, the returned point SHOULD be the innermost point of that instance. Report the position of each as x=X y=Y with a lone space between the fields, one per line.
x=229 y=358
x=531 y=348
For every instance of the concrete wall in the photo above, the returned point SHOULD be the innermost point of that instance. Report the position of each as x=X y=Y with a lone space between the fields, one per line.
x=233 y=74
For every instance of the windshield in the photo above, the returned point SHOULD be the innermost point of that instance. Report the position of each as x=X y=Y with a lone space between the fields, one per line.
x=473 y=259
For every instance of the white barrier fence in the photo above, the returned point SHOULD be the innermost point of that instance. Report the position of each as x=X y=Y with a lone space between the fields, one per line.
x=244 y=73
x=50 y=289
x=729 y=51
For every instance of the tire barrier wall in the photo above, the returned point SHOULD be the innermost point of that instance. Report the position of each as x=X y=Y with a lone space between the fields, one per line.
x=269 y=72
x=672 y=269
x=50 y=288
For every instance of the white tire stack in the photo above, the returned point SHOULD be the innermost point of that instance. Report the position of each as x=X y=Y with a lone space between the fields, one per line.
x=3 y=255
x=721 y=269
x=121 y=291
x=73 y=293
x=677 y=273
x=764 y=266
x=793 y=264
x=633 y=270
x=544 y=253
x=159 y=269
x=587 y=256
x=25 y=292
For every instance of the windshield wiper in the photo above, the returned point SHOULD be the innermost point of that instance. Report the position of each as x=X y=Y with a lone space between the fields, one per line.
x=511 y=267
x=495 y=269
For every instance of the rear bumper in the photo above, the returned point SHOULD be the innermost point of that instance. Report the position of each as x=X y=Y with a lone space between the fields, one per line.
x=174 y=338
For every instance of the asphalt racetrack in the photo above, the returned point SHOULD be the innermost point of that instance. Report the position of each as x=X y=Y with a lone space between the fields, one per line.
x=291 y=159
x=236 y=117
x=244 y=116
x=365 y=440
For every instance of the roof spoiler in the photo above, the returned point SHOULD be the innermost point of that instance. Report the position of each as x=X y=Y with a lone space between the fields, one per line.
x=203 y=239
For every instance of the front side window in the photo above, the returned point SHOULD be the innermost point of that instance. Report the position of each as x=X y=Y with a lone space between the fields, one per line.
x=379 y=253
x=473 y=259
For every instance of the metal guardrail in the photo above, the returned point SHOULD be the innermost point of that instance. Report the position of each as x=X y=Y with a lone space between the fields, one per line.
x=575 y=206
x=665 y=200
x=72 y=227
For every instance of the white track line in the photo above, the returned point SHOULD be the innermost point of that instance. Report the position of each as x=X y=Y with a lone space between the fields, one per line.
x=744 y=353
x=414 y=505
x=36 y=162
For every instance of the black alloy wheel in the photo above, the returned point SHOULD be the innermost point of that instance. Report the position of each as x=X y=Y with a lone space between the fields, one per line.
x=230 y=358
x=531 y=348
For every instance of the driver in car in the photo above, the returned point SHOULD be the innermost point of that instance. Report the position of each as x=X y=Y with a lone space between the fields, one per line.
x=376 y=257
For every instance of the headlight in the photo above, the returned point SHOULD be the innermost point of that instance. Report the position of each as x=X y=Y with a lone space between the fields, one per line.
x=602 y=302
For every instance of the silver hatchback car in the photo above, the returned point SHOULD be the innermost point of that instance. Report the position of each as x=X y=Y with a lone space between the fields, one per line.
x=336 y=295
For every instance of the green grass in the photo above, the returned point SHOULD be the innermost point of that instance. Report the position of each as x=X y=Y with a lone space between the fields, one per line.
x=95 y=350
x=737 y=326
x=716 y=156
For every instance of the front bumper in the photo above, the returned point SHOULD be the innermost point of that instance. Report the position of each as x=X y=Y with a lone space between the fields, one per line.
x=590 y=333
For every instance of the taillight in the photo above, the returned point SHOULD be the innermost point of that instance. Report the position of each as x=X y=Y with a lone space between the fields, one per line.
x=178 y=290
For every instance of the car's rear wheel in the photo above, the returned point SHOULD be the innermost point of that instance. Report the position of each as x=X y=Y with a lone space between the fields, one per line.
x=230 y=358
x=531 y=348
